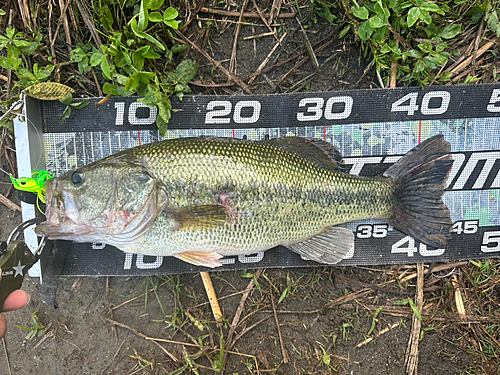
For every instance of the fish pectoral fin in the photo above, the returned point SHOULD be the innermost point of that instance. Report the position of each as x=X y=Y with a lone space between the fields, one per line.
x=200 y=258
x=196 y=218
x=329 y=247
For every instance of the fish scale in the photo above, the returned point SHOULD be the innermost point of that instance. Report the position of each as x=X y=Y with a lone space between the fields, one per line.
x=280 y=196
x=202 y=198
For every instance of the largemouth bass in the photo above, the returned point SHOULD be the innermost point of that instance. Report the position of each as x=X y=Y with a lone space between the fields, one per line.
x=200 y=199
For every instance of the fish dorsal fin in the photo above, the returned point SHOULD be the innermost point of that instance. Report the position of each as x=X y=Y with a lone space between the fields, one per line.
x=329 y=247
x=322 y=153
x=196 y=218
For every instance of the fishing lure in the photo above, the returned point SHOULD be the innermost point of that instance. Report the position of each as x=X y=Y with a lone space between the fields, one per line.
x=33 y=184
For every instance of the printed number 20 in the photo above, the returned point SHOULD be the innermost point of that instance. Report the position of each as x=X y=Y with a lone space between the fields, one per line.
x=219 y=111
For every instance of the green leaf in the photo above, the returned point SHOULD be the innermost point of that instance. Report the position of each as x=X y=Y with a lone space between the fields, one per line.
x=412 y=16
x=23 y=73
x=96 y=58
x=162 y=125
x=185 y=71
x=143 y=17
x=424 y=16
x=414 y=308
x=376 y=22
x=149 y=38
x=451 y=31
x=182 y=88
x=2 y=12
x=80 y=105
x=179 y=48
x=10 y=32
x=151 y=55
x=164 y=114
x=106 y=69
x=77 y=55
x=170 y=14
x=106 y=17
x=150 y=98
x=138 y=60
x=475 y=14
x=431 y=7
x=155 y=17
x=365 y=31
x=30 y=48
x=172 y=23
x=493 y=23
x=67 y=99
x=155 y=4
x=145 y=77
x=110 y=89
x=344 y=31
x=283 y=296
x=65 y=115
x=380 y=34
x=43 y=73
x=382 y=11
x=360 y=12
x=132 y=82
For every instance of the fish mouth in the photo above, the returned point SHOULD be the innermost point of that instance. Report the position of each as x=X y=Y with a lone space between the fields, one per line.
x=61 y=215
x=115 y=228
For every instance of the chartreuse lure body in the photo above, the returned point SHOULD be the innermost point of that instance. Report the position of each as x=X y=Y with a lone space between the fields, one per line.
x=34 y=184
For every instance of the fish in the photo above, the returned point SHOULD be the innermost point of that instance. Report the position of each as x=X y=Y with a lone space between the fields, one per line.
x=202 y=198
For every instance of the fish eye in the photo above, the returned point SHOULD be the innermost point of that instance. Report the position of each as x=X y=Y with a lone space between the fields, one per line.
x=77 y=178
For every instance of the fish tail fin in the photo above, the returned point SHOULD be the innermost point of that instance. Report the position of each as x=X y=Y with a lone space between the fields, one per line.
x=420 y=179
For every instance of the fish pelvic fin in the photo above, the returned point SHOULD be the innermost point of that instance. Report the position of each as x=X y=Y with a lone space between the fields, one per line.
x=200 y=258
x=329 y=247
x=420 y=179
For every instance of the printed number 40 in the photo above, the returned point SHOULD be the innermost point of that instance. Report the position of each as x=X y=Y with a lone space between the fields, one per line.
x=411 y=107
x=411 y=249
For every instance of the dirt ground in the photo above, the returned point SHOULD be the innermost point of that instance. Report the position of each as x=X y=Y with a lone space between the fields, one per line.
x=317 y=338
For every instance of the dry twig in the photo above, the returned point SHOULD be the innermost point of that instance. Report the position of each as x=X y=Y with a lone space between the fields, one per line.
x=266 y=60
x=286 y=358
x=370 y=339
x=9 y=203
x=238 y=81
x=212 y=297
x=239 y=310
x=232 y=62
x=6 y=354
x=246 y=14
x=174 y=358
x=480 y=52
x=412 y=350
x=458 y=298
x=308 y=46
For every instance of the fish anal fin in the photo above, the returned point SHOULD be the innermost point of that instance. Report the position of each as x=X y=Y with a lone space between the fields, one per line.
x=329 y=247
x=322 y=153
x=200 y=258
x=197 y=218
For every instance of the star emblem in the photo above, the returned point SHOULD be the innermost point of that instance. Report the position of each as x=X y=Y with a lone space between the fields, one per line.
x=19 y=269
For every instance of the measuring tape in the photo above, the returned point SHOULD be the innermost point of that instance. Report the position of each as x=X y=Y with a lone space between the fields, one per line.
x=372 y=129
